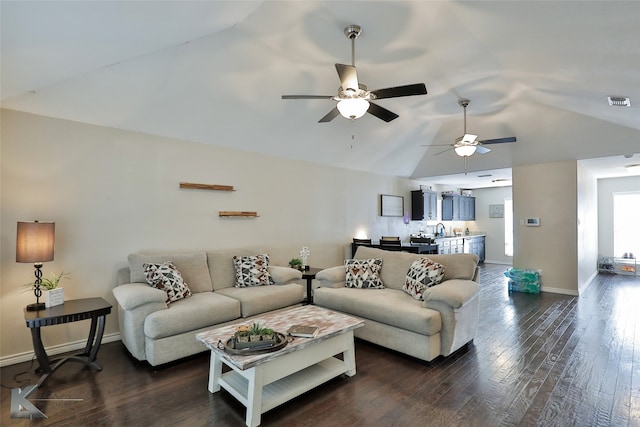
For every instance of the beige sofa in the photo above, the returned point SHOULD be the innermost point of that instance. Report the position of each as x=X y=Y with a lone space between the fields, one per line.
x=445 y=321
x=159 y=333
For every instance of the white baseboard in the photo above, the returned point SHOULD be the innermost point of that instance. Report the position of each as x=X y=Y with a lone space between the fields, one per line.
x=489 y=261
x=560 y=291
x=53 y=350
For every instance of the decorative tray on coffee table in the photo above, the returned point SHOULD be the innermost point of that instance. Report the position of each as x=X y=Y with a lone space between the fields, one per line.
x=232 y=346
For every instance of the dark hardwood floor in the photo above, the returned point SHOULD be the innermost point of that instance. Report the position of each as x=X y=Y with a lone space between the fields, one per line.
x=544 y=359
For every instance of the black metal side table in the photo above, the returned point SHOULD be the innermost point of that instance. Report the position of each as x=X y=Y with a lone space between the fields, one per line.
x=95 y=309
x=309 y=275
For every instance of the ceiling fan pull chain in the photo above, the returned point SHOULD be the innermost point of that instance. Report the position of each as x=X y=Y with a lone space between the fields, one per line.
x=353 y=133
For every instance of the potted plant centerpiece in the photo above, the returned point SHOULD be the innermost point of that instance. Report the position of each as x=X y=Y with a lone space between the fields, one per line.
x=254 y=336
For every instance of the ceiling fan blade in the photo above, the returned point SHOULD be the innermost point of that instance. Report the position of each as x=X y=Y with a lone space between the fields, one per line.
x=381 y=113
x=499 y=140
x=307 y=96
x=448 y=149
x=482 y=150
x=348 y=77
x=395 y=92
x=330 y=115
x=468 y=138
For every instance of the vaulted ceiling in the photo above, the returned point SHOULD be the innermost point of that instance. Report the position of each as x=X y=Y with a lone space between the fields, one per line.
x=214 y=72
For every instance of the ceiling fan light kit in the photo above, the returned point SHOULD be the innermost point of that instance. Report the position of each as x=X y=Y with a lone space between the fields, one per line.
x=353 y=99
x=353 y=108
x=465 y=150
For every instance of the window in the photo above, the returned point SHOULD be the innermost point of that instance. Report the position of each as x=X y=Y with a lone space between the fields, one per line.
x=508 y=227
x=626 y=235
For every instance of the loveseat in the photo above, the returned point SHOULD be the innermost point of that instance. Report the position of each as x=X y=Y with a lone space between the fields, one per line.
x=444 y=321
x=159 y=332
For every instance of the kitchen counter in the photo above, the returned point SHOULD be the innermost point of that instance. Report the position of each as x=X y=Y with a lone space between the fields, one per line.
x=466 y=243
x=464 y=236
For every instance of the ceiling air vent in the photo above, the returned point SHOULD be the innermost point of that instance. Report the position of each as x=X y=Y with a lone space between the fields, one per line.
x=619 y=101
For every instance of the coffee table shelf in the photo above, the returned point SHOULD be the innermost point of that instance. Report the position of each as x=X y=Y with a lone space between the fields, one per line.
x=286 y=388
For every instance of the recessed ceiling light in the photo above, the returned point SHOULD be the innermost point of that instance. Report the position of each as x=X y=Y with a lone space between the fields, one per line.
x=619 y=101
x=633 y=168
x=500 y=180
x=484 y=176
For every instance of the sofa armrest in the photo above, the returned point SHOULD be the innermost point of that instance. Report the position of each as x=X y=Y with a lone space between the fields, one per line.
x=132 y=295
x=284 y=275
x=135 y=302
x=457 y=302
x=454 y=293
x=332 y=277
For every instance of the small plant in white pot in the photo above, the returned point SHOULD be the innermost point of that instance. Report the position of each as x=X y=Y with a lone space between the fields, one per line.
x=53 y=294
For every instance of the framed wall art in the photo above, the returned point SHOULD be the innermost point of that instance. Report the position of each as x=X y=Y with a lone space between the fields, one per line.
x=391 y=205
x=496 y=211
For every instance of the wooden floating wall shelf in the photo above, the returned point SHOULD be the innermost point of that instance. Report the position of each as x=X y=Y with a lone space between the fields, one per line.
x=207 y=186
x=244 y=214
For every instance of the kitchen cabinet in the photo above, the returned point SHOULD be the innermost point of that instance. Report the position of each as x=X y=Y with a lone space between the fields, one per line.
x=475 y=245
x=451 y=245
x=458 y=208
x=424 y=205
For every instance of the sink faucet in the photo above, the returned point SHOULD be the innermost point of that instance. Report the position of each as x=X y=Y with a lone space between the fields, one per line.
x=437 y=227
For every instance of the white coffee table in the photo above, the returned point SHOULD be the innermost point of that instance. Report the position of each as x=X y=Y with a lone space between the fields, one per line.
x=263 y=381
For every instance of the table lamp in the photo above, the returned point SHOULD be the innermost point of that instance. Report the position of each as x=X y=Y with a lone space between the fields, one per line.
x=34 y=243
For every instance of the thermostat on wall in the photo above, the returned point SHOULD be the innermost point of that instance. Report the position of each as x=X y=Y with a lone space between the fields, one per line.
x=533 y=222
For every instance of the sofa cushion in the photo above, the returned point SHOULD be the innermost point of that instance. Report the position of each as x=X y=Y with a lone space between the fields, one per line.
x=260 y=299
x=167 y=277
x=252 y=270
x=389 y=306
x=363 y=273
x=221 y=268
x=396 y=264
x=192 y=266
x=201 y=310
x=422 y=274
x=458 y=266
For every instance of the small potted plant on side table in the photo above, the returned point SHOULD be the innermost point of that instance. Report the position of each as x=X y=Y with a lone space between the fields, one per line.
x=53 y=294
x=296 y=263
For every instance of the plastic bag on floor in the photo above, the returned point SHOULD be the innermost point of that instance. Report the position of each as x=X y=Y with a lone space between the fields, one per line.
x=522 y=280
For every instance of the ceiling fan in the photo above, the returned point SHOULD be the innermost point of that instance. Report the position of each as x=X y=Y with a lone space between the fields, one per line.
x=467 y=144
x=353 y=99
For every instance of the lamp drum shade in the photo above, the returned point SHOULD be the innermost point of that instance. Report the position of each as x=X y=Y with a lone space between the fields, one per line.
x=35 y=241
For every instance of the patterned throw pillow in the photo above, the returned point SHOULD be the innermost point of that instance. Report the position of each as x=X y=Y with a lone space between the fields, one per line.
x=252 y=271
x=166 y=276
x=422 y=274
x=363 y=273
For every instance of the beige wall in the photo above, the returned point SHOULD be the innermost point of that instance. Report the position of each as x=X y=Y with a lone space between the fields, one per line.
x=113 y=192
x=547 y=191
